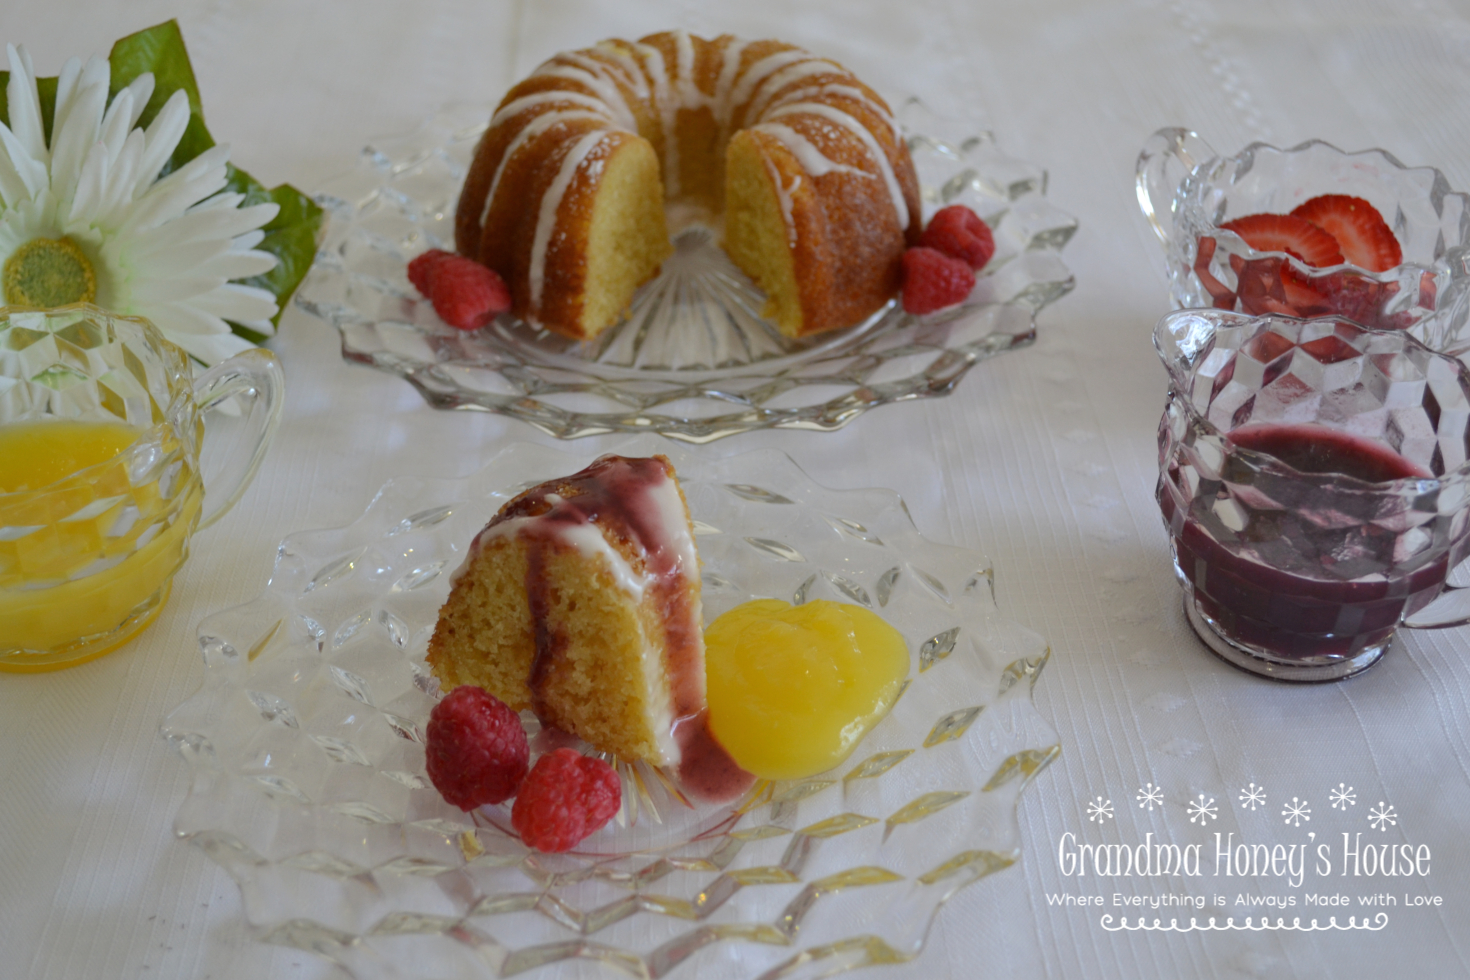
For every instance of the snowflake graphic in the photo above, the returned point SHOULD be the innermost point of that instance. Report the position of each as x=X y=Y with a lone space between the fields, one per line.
x=1100 y=811
x=1381 y=816
x=1296 y=811
x=1202 y=811
x=1253 y=797
x=1150 y=796
x=1343 y=797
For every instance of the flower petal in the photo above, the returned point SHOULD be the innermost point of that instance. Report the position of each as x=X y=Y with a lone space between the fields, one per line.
x=247 y=241
x=117 y=195
x=249 y=306
x=24 y=104
x=87 y=195
x=224 y=199
x=177 y=260
x=142 y=89
x=75 y=131
x=66 y=90
x=213 y=348
x=29 y=219
x=163 y=135
x=173 y=195
x=181 y=319
x=238 y=265
x=196 y=226
x=146 y=291
x=22 y=176
x=199 y=278
x=116 y=122
x=206 y=337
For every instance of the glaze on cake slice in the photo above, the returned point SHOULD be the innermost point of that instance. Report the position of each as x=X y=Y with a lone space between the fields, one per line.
x=580 y=600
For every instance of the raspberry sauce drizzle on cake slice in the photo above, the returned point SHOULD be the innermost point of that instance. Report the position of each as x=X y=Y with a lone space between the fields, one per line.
x=616 y=499
x=611 y=647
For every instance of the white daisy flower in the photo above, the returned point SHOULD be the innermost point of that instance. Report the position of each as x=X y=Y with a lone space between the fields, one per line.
x=88 y=218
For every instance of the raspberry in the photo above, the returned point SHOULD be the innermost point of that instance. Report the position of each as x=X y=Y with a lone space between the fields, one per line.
x=477 y=751
x=566 y=798
x=959 y=233
x=933 y=280
x=420 y=267
x=465 y=293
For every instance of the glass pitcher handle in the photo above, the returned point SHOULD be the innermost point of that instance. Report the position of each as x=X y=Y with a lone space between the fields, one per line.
x=1167 y=157
x=1451 y=608
x=243 y=394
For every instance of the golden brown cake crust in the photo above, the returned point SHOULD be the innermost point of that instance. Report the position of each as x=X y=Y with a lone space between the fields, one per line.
x=848 y=193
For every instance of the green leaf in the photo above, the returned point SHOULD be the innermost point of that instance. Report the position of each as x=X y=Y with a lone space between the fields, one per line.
x=291 y=237
x=161 y=50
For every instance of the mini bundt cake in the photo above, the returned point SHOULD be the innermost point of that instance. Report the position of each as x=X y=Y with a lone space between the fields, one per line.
x=580 y=601
x=567 y=192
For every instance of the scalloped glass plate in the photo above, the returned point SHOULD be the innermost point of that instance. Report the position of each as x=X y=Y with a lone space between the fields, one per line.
x=305 y=750
x=693 y=360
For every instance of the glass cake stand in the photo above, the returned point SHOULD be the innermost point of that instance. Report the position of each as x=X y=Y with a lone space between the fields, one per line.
x=304 y=745
x=693 y=360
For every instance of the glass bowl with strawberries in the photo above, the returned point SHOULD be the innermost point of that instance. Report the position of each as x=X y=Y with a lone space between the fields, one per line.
x=1311 y=231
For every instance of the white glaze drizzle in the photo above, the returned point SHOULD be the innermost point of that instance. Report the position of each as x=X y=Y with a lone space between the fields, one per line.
x=529 y=132
x=633 y=73
x=690 y=97
x=784 y=197
x=846 y=91
x=674 y=523
x=589 y=541
x=543 y=98
x=757 y=74
x=729 y=68
x=599 y=81
x=546 y=219
x=776 y=81
x=586 y=539
x=675 y=531
x=811 y=159
x=900 y=206
x=668 y=114
x=605 y=71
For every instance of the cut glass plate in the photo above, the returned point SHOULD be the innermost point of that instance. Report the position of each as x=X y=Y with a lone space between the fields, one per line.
x=693 y=360
x=305 y=749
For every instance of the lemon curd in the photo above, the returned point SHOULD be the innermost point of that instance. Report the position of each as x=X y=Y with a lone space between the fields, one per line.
x=37 y=454
x=793 y=689
x=84 y=563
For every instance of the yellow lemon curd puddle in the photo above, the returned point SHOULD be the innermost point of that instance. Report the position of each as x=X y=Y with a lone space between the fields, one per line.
x=43 y=608
x=793 y=689
x=37 y=454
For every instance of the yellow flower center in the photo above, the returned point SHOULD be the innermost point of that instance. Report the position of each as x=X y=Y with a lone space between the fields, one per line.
x=47 y=272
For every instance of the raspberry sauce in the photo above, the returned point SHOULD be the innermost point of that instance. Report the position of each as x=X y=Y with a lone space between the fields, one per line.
x=1296 y=582
x=628 y=502
x=1316 y=449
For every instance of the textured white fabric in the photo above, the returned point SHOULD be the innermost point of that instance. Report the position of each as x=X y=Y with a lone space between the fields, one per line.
x=1044 y=458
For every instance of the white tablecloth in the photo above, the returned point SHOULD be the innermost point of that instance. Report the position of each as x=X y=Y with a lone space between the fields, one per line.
x=1044 y=458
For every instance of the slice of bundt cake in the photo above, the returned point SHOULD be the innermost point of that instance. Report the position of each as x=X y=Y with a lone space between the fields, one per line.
x=580 y=600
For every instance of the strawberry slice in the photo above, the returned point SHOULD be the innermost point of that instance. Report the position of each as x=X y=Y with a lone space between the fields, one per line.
x=1287 y=233
x=1362 y=234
